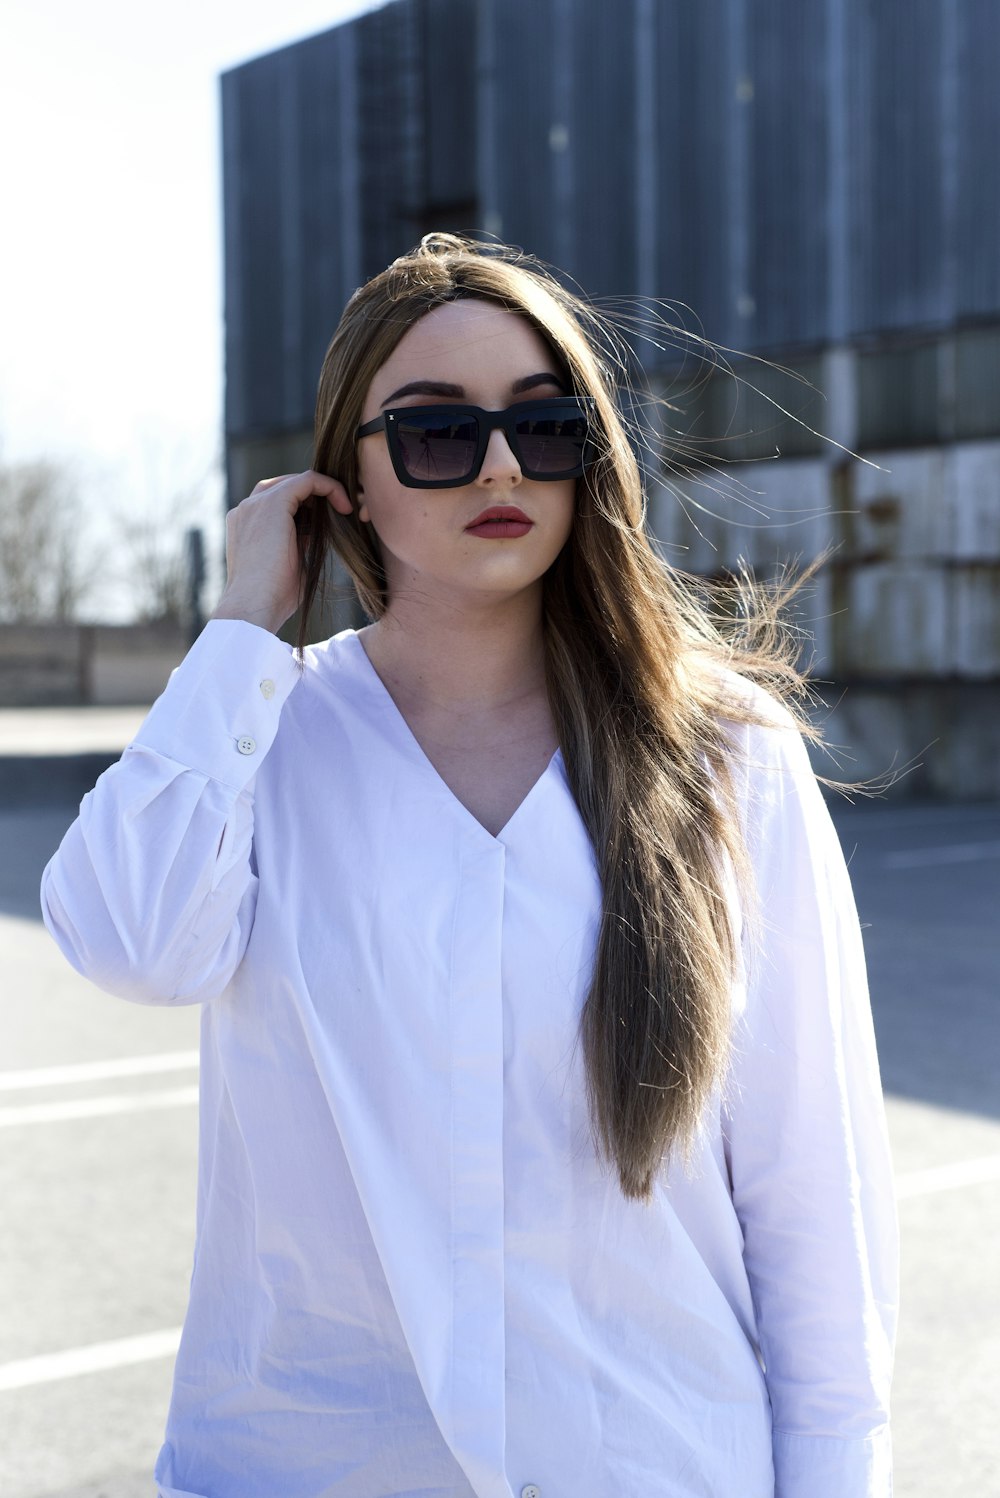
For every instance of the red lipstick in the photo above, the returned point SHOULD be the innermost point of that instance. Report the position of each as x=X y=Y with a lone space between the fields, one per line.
x=500 y=522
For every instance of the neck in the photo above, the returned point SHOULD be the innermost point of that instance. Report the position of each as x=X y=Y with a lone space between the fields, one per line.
x=466 y=658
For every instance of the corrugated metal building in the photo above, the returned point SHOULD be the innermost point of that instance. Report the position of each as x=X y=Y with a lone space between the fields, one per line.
x=809 y=184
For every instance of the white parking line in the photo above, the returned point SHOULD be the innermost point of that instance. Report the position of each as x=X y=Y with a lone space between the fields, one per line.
x=97 y=1071
x=96 y=1358
x=916 y=858
x=948 y=1177
x=97 y=1107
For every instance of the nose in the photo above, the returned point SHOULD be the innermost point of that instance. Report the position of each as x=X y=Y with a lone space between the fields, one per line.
x=500 y=467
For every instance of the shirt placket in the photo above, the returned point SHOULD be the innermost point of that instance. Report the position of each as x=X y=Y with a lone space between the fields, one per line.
x=477 y=1264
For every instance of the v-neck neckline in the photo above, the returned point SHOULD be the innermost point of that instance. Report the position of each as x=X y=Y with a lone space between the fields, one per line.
x=418 y=754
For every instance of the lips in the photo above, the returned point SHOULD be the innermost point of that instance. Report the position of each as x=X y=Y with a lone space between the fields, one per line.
x=506 y=513
x=500 y=523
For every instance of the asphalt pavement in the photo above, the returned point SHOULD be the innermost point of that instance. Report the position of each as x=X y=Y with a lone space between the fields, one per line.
x=98 y=1147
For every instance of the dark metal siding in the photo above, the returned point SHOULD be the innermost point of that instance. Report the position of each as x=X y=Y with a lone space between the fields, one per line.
x=797 y=175
x=449 y=94
x=327 y=263
x=291 y=259
x=390 y=132
x=786 y=118
x=691 y=250
x=528 y=185
x=899 y=158
x=598 y=231
x=975 y=152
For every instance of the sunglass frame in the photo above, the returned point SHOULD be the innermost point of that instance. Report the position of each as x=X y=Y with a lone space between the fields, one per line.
x=487 y=423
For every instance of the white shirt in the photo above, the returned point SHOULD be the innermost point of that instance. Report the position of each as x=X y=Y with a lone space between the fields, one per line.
x=412 y=1275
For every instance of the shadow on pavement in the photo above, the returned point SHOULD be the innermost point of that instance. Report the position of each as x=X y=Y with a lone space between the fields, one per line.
x=28 y=839
x=927 y=884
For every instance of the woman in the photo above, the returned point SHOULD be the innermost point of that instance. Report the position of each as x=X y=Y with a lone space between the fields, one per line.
x=542 y=1142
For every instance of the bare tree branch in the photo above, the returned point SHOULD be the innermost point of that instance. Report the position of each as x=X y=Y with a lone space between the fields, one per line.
x=43 y=570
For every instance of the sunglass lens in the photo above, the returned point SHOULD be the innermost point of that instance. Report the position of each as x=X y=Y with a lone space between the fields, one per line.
x=552 y=444
x=436 y=450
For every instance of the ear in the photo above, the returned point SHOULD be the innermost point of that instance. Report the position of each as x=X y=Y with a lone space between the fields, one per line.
x=364 y=514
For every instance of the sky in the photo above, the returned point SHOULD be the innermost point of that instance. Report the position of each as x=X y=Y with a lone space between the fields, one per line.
x=111 y=251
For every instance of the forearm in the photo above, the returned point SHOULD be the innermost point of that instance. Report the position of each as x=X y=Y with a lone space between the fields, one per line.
x=151 y=894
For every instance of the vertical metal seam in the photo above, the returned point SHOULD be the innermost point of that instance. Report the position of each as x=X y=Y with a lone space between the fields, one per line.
x=646 y=194
x=561 y=153
x=838 y=202
x=947 y=364
x=412 y=137
x=349 y=194
x=290 y=237
x=950 y=121
x=489 y=211
x=233 y=310
x=738 y=167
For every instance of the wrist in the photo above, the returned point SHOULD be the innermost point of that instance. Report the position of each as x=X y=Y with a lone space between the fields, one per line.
x=251 y=611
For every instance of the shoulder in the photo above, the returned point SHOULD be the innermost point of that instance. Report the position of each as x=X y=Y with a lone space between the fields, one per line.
x=330 y=667
x=760 y=730
x=326 y=657
x=776 y=794
x=329 y=690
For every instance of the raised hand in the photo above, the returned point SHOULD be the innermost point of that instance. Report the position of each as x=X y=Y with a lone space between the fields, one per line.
x=264 y=581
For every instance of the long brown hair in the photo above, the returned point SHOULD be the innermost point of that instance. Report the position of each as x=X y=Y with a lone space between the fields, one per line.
x=633 y=658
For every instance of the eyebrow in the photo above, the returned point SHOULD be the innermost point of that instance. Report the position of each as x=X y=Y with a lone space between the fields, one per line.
x=439 y=387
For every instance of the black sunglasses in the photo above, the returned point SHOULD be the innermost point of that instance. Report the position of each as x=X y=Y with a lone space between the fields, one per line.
x=442 y=447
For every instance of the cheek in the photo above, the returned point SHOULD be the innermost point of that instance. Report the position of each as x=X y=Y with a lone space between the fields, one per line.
x=399 y=516
x=378 y=487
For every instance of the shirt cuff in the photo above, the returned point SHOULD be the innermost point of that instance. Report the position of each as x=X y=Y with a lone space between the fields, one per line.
x=830 y=1467
x=220 y=709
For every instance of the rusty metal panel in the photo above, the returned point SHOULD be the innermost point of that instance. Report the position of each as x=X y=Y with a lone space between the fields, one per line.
x=917 y=620
x=977 y=380
x=903 y=510
x=975 y=519
x=897 y=621
x=899 y=397
x=976 y=619
x=760 y=516
x=742 y=413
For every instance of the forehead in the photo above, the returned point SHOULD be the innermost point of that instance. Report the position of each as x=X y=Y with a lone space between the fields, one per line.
x=464 y=343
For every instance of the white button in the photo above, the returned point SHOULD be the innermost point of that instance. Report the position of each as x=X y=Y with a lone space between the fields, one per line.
x=530 y=1491
x=246 y=745
x=267 y=688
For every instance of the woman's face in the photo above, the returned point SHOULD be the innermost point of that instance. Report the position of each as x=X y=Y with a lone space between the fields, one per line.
x=478 y=354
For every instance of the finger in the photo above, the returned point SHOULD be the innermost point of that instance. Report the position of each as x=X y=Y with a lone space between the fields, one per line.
x=270 y=483
x=297 y=487
x=339 y=499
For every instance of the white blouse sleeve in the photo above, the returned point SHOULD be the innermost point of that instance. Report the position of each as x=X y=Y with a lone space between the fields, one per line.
x=807 y=1145
x=151 y=894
